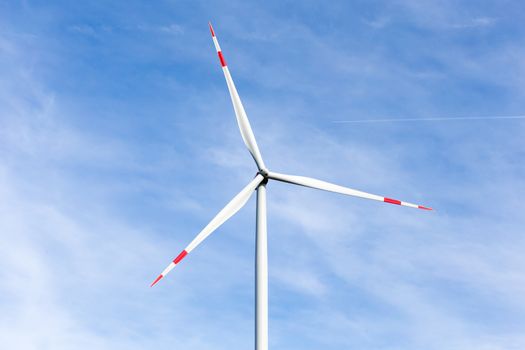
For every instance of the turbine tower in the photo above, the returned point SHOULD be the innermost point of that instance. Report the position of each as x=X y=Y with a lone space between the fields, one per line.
x=259 y=184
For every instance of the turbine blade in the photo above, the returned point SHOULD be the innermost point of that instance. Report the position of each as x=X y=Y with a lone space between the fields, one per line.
x=240 y=114
x=227 y=212
x=326 y=186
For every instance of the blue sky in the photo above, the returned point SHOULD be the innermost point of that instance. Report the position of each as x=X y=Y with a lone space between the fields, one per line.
x=118 y=143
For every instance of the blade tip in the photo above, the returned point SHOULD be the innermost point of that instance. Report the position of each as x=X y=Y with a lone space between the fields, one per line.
x=424 y=208
x=211 y=29
x=156 y=280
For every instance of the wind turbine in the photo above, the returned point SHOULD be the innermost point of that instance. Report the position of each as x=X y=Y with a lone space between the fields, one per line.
x=259 y=184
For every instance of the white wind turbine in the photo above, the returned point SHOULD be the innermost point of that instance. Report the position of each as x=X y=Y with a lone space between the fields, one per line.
x=259 y=184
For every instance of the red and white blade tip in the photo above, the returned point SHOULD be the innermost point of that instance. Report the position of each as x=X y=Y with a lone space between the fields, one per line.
x=170 y=267
x=398 y=202
x=156 y=280
x=217 y=46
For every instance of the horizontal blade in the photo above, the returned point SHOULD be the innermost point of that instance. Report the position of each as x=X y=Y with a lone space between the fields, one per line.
x=227 y=212
x=326 y=186
x=240 y=114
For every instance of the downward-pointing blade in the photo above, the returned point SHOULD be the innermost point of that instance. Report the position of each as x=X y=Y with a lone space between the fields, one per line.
x=326 y=186
x=227 y=212
x=240 y=114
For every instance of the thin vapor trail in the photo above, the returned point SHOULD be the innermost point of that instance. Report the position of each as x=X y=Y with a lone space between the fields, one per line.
x=396 y=120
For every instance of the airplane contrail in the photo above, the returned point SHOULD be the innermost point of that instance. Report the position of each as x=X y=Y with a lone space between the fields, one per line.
x=395 y=120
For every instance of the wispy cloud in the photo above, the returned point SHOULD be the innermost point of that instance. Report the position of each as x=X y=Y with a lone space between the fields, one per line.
x=173 y=28
x=476 y=23
x=378 y=23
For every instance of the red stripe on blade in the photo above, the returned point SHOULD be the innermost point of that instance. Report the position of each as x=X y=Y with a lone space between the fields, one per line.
x=156 y=280
x=221 y=57
x=211 y=29
x=424 y=208
x=180 y=257
x=392 y=201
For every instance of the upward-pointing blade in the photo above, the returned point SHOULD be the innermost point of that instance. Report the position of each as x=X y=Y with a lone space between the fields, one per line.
x=326 y=186
x=227 y=212
x=240 y=114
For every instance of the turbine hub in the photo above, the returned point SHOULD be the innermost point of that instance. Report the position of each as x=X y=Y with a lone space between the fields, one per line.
x=264 y=173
